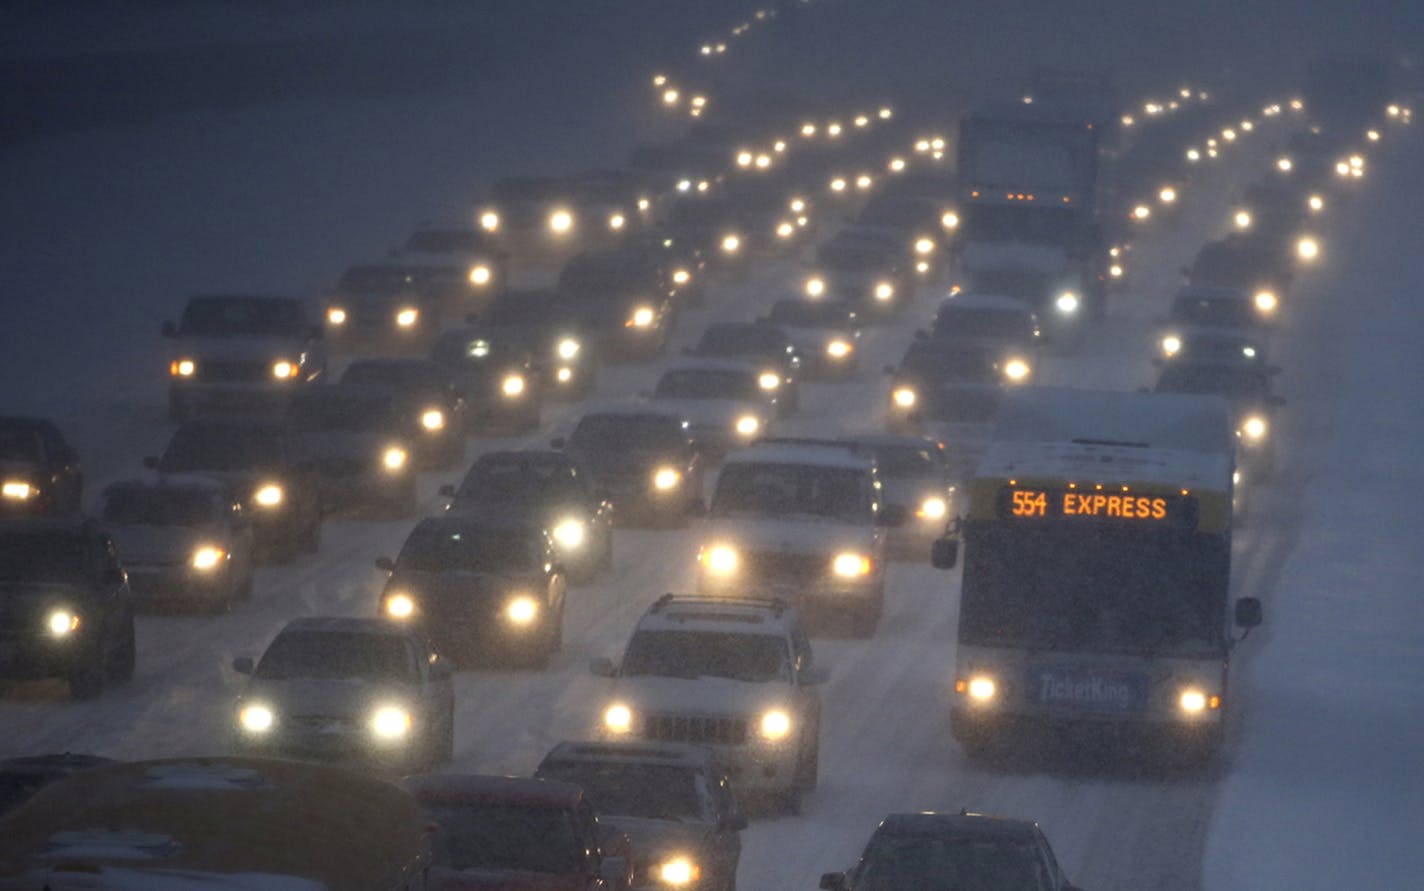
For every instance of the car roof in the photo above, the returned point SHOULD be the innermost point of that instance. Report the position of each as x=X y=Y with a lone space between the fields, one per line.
x=348 y=625
x=668 y=754
x=524 y=458
x=736 y=615
x=481 y=788
x=960 y=825
x=830 y=454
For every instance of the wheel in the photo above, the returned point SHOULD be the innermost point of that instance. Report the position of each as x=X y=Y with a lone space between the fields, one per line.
x=125 y=659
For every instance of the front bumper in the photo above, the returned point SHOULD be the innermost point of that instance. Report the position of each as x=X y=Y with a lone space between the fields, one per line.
x=31 y=656
x=330 y=740
x=179 y=583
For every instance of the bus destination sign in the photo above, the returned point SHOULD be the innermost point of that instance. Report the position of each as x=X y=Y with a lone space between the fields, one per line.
x=1145 y=509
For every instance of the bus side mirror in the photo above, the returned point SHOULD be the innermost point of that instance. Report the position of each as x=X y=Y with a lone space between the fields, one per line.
x=944 y=554
x=1248 y=612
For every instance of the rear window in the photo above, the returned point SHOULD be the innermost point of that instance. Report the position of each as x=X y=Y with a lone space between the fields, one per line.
x=500 y=836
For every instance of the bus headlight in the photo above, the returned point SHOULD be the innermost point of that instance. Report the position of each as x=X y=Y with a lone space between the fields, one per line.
x=393 y=458
x=207 y=558
x=182 y=368
x=678 y=871
x=256 y=718
x=1016 y=370
x=433 y=419
x=980 y=689
x=618 y=718
x=335 y=315
x=522 y=610
x=1067 y=303
x=815 y=286
x=407 y=317
x=666 y=478
x=400 y=606
x=933 y=508
x=1195 y=702
x=839 y=349
x=642 y=317
x=269 y=495
x=903 y=397
x=390 y=722
x=1254 y=428
x=719 y=560
x=1266 y=302
x=283 y=370
x=1171 y=345
x=775 y=725
x=849 y=565
x=748 y=425
x=62 y=622
x=489 y=221
x=560 y=222
x=513 y=385
x=884 y=291
x=480 y=275
x=570 y=534
x=769 y=380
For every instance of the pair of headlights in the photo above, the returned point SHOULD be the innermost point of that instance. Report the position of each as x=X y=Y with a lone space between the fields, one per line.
x=518 y=610
x=982 y=689
x=773 y=726
x=282 y=369
x=388 y=722
x=723 y=560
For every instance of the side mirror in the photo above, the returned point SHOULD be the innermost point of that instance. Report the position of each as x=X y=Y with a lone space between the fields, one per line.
x=386 y=563
x=814 y=676
x=944 y=553
x=602 y=667
x=558 y=442
x=613 y=870
x=242 y=665
x=833 y=881
x=447 y=490
x=732 y=823
x=169 y=330
x=891 y=516
x=151 y=462
x=1248 y=612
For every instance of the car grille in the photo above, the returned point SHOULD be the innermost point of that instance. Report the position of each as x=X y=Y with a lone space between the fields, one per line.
x=1030 y=286
x=967 y=405
x=696 y=729
x=344 y=467
x=777 y=568
x=234 y=371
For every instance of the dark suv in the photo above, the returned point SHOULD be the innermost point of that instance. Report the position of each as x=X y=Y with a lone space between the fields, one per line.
x=65 y=607
x=39 y=471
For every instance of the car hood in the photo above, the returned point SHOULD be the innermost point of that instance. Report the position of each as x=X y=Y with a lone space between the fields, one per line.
x=349 y=444
x=456 y=583
x=144 y=543
x=655 y=840
x=445 y=879
x=982 y=255
x=602 y=463
x=239 y=348
x=719 y=413
x=335 y=697
x=790 y=535
x=702 y=696
x=911 y=492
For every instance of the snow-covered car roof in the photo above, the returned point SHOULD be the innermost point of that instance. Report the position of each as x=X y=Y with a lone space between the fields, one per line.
x=816 y=455
x=714 y=363
x=717 y=614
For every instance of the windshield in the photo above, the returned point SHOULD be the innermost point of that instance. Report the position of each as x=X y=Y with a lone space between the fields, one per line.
x=899 y=214
x=647 y=791
x=840 y=494
x=21 y=446
x=512 y=836
x=1001 y=324
x=603 y=275
x=332 y=412
x=690 y=384
x=167 y=506
x=1029 y=285
x=931 y=863
x=502 y=482
x=516 y=309
x=1220 y=265
x=609 y=433
x=974 y=404
x=701 y=213
x=1093 y=588
x=742 y=340
x=753 y=658
x=439 y=547
x=1227 y=312
x=908 y=462
x=376 y=280
x=42 y=557
x=466 y=352
x=221 y=448
x=853 y=258
x=535 y=190
x=331 y=655
x=1053 y=226
x=811 y=313
x=243 y=317
x=1221 y=380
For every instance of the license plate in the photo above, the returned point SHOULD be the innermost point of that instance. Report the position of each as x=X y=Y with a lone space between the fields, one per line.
x=1089 y=690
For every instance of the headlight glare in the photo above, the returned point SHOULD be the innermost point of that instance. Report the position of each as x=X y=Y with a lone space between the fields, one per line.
x=336 y=315
x=1255 y=427
x=1192 y=701
x=775 y=725
x=19 y=491
x=570 y=534
x=407 y=317
x=981 y=689
x=1171 y=344
x=480 y=275
x=62 y=622
x=720 y=560
x=769 y=380
x=269 y=495
x=207 y=558
x=678 y=871
x=522 y=610
x=283 y=370
x=618 y=718
x=748 y=425
x=513 y=385
x=400 y=606
x=390 y=722
x=432 y=419
x=1067 y=303
x=568 y=348
x=838 y=349
x=642 y=317
x=815 y=286
x=1016 y=370
x=933 y=508
x=884 y=290
x=182 y=367
x=256 y=718
x=904 y=397
x=665 y=478
x=851 y=565
x=393 y=458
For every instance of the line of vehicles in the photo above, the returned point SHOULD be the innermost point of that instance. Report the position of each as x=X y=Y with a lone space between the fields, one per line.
x=1095 y=528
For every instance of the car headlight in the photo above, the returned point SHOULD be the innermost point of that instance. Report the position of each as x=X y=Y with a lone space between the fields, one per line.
x=62 y=622
x=769 y=380
x=748 y=425
x=849 y=565
x=1266 y=302
x=1255 y=427
x=924 y=246
x=1242 y=219
x=950 y=220
x=393 y=458
x=839 y=349
x=269 y=495
x=618 y=718
x=719 y=559
x=564 y=375
x=731 y=243
x=1316 y=203
x=407 y=317
x=933 y=508
x=665 y=478
x=681 y=276
x=1016 y=370
x=283 y=370
x=513 y=385
x=1116 y=270
x=16 y=490
x=521 y=610
x=1067 y=303
x=480 y=275
x=399 y=606
x=256 y=718
x=1167 y=195
x=677 y=871
x=775 y=725
x=432 y=419
x=1307 y=248
x=979 y=689
x=785 y=229
x=617 y=221
x=1171 y=345
x=560 y=221
x=815 y=286
x=884 y=291
x=567 y=348
x=903 y=397
x=642 y=317
x=1141 y=212
x=390 y=722
x=1192 y=701
x=182 y=368
x=570 y=534
x=335 y=315
x=489 y=221
x=207 y=558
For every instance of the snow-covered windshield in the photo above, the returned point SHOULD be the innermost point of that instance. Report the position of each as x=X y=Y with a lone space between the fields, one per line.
x=376 y=280
x=772 y=489
x=1031 y=224
x=1233 y=382
x=811 y=313
x=606 y=433
x=1227 y=312
x=328 y=411
x=412 y=375
x=1004 y=324
x=908 y=461
x=221 y=448
x=447 y=241
x=647 y=791
x=491 y=835
x=753 y=658
x=499 y=481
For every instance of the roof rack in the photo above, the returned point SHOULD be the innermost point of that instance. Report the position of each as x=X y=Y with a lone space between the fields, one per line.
x=775 y=604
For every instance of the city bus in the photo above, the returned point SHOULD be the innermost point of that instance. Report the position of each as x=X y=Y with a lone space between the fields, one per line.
x=1097 y=565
